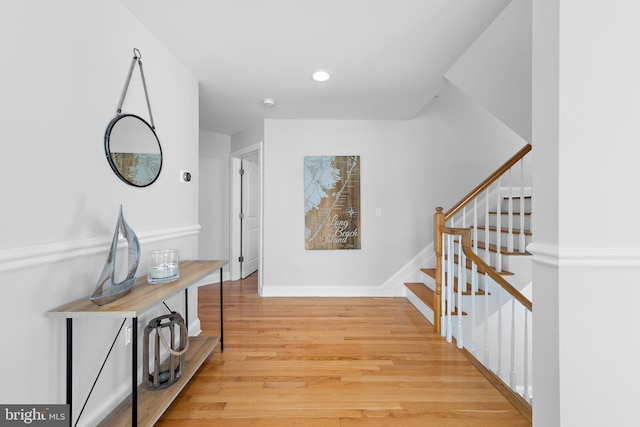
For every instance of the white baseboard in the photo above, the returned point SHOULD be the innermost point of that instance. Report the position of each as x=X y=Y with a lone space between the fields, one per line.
x=194 y=328
x=325 y=291
x=107 y=405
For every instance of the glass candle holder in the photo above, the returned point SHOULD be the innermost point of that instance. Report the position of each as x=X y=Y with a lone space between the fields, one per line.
x=163 y=266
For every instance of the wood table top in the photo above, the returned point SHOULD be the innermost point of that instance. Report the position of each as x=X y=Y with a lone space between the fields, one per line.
x=143 y=295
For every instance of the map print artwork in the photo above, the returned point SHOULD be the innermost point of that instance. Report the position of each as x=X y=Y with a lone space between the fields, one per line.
x=332 y=202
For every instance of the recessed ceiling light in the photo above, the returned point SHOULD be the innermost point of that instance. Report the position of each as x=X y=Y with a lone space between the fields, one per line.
x=268 y=103
x=321 y=76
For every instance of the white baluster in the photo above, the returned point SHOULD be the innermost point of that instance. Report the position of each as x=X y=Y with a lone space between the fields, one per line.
x=486 y=228
x=474 y=244
x=474 y=290
x=462 y=281
x=486 y=280
x=464 y=217
x=512 y=374
x=450 y=278
x=486 y=321
x=526 y=395
x=474 y=279
x=498 y=229
x=522 y=237
x=510 y=216
x=499 y=291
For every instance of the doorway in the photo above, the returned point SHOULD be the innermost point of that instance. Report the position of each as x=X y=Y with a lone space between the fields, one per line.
x=246 y=213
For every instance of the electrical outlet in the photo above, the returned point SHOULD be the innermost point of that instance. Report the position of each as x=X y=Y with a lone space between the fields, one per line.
x=127 y=336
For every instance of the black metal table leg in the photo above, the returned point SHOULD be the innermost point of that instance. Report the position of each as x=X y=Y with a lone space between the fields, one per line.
x=134 y=371
x=69 y=363
x=186 y=307
x=221 y=316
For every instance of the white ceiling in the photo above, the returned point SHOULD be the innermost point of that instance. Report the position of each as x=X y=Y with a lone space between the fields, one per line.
x=387 y=57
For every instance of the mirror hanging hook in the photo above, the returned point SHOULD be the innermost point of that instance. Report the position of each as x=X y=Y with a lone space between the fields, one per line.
x=137 y=56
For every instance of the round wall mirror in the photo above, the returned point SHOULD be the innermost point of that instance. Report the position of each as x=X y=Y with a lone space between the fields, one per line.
x=133 y=150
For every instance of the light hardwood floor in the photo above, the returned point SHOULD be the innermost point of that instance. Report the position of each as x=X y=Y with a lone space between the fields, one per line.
x=331 y=362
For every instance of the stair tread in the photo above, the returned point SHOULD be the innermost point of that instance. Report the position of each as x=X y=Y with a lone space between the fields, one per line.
x=503 y=230
x=493 y=248
x=527 y=213
x=431 y=272
x=503 y=249
x=426 y=295
x=422 y=291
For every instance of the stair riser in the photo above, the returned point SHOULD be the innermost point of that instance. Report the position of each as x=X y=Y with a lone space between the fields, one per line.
x=503 y=240
x=480 y=302
x=423 y=308
x=493 y=259
x=430 y=282
x=504 y=221
x=504 y=205
x=493 y=256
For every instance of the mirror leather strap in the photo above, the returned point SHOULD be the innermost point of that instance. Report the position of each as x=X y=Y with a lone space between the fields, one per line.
x=137 y=57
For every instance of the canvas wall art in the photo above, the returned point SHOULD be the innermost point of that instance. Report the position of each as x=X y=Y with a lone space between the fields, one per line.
x=332 y=202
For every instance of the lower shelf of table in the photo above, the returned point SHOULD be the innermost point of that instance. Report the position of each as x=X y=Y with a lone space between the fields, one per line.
x=153 y=403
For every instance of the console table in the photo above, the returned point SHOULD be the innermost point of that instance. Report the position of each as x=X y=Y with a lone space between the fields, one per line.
x=143 y=297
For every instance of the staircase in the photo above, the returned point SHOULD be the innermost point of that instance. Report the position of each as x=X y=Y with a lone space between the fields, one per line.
x=423 y=292
x=478 y=289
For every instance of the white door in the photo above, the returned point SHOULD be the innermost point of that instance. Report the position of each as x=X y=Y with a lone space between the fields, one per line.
x=251 y=215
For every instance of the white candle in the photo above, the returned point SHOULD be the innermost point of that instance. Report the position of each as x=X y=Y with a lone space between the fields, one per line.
x=164 y=270
x=163 y=266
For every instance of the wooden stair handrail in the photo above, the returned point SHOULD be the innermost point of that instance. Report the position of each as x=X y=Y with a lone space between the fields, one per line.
x=465 y=236
x=487 y=182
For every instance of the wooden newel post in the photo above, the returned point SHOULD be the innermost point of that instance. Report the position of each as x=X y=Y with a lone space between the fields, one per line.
x=438 y=223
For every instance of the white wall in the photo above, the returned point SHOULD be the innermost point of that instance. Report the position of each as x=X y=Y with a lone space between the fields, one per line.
x=64 y=70
x=585 y=133
x=213 y=195
x=496 y=69
x=247 y=137
x=403 y=165
x=545 y=124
